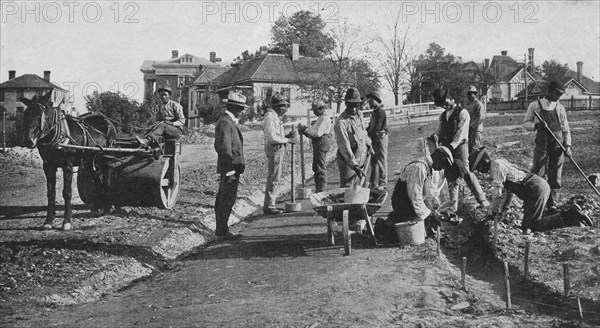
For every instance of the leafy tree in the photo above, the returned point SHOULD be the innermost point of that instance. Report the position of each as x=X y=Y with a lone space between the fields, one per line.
x=127 y=114
x=246 y=56
x=553 y=70
x=305 y=27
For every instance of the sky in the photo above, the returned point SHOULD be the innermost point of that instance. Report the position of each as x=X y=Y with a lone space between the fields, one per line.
x=100 y=45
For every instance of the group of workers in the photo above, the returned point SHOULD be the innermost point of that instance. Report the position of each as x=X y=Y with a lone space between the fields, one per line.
x=456 y=149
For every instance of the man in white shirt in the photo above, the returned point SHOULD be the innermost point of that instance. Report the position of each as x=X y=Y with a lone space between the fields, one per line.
x=320 y=135
x=509 y=180
x=548 y=157
x=275 y=142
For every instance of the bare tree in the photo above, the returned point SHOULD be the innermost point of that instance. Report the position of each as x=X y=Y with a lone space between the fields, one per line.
x=394 y=60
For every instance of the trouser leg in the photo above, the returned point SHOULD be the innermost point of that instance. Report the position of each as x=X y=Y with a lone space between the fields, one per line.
x=319 y=168
x=535 y=195
x=379 y=163
x=539 y=156
x=226 y=197
x=555 y=165
x=346 y=173
x=462 y=162
x=273 y=176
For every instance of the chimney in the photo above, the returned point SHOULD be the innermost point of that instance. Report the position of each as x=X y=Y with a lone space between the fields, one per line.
x=213 y=56
x=295 y=50
x=12 y=74
x=579 y=70
x=503 y=52
x=263 y=50
x=174 y=53
x=486 y=63
x=47 y=76
x=530 y=62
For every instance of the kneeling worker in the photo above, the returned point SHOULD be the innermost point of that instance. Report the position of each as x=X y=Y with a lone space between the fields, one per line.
x=408 y=197
x=319 y=134
x=509 y=180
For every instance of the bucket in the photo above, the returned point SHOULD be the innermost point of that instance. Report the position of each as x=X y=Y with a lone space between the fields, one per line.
x=411 y=232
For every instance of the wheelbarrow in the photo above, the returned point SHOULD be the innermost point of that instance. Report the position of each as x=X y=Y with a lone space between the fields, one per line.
x=329 y=204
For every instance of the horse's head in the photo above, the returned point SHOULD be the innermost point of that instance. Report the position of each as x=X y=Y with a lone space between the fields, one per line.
x=34 y=118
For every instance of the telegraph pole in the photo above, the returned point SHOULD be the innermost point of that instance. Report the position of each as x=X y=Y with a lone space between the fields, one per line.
x=526 y=90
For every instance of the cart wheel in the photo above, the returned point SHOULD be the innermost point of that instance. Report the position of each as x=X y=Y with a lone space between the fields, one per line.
x=330 y=226
x=346 y=232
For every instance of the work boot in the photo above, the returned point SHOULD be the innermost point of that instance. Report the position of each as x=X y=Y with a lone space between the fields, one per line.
x=574 y=217
x=553 y=199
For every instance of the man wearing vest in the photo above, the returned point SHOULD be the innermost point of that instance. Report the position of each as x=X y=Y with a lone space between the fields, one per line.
x=319 y=134
x=508 y=180
x=453 y=132
x=547 y=153
x=408 y=198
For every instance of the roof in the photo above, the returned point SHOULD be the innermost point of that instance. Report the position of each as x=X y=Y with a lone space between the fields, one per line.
x=208 y=74
x=30 y=81
x=184 y=60
x=273 y=68
x=589 y=84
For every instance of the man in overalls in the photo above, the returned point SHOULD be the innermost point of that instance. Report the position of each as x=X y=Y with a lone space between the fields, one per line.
x=453 y=132
x=548 y=157
x=509 y=180
x=319 y=133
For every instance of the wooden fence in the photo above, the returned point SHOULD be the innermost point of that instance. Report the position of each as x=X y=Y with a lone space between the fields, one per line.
x=569 y=103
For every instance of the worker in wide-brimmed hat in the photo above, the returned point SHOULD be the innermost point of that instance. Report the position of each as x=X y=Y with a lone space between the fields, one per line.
x=319 y=133
x=477 y=114
x=410 y=191
x=229 y=145
x=547 y=152
x=508 y=180
x=352 y=140
x=452 y=131
x=378 y=133
x=170 y=118
x=275 y=141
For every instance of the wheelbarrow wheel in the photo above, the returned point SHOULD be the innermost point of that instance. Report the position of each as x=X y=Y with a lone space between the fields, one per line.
x=330 y=226
x=346 y=232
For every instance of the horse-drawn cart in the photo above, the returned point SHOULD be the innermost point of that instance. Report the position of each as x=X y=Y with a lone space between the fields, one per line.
x=136 y=176
x=329 y=204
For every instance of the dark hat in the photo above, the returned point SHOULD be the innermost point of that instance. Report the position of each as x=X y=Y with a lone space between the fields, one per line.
x=278 y=100
x=479 y=158
x=236 y=99
x=375 y=95
x=555 y=86
x=439 y=97
x=352 y=96
x=445 y=153
x=165 y=88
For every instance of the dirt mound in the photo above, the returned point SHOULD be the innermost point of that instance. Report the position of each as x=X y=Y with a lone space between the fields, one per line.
x=20 y=156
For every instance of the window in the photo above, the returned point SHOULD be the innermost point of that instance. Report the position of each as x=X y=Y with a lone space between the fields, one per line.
x=286 y=93
x=497 y=92
x=267 y=93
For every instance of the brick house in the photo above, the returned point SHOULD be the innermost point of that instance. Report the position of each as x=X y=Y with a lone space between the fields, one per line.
x=509 y=76
x=177 y=72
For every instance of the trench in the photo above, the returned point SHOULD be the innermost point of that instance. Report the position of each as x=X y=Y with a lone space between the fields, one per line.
x=526 y=295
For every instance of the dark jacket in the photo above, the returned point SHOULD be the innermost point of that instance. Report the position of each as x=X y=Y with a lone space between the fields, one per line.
x=377 y=123
x=229 y=144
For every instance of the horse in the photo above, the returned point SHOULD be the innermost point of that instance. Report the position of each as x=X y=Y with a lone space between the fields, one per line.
x=46 y=127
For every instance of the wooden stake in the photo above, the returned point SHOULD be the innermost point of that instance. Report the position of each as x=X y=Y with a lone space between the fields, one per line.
x=496 y=234
x=507 y=285
x=526 y=265
x=463 y=272
x=292 y=160
x=302 y=160
x=566 y=280
x=580 y=310
x=438 y=235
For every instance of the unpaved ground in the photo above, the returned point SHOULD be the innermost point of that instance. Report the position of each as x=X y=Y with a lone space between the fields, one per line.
x=280 y=274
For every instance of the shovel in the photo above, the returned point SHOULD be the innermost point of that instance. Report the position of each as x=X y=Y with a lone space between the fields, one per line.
x=357 y=194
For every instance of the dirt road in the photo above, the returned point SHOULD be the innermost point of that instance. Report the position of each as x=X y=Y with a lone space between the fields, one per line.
x=282 y=274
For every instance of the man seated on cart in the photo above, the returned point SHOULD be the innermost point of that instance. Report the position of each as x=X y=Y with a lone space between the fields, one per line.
x=170 y=119
x=408 y=198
